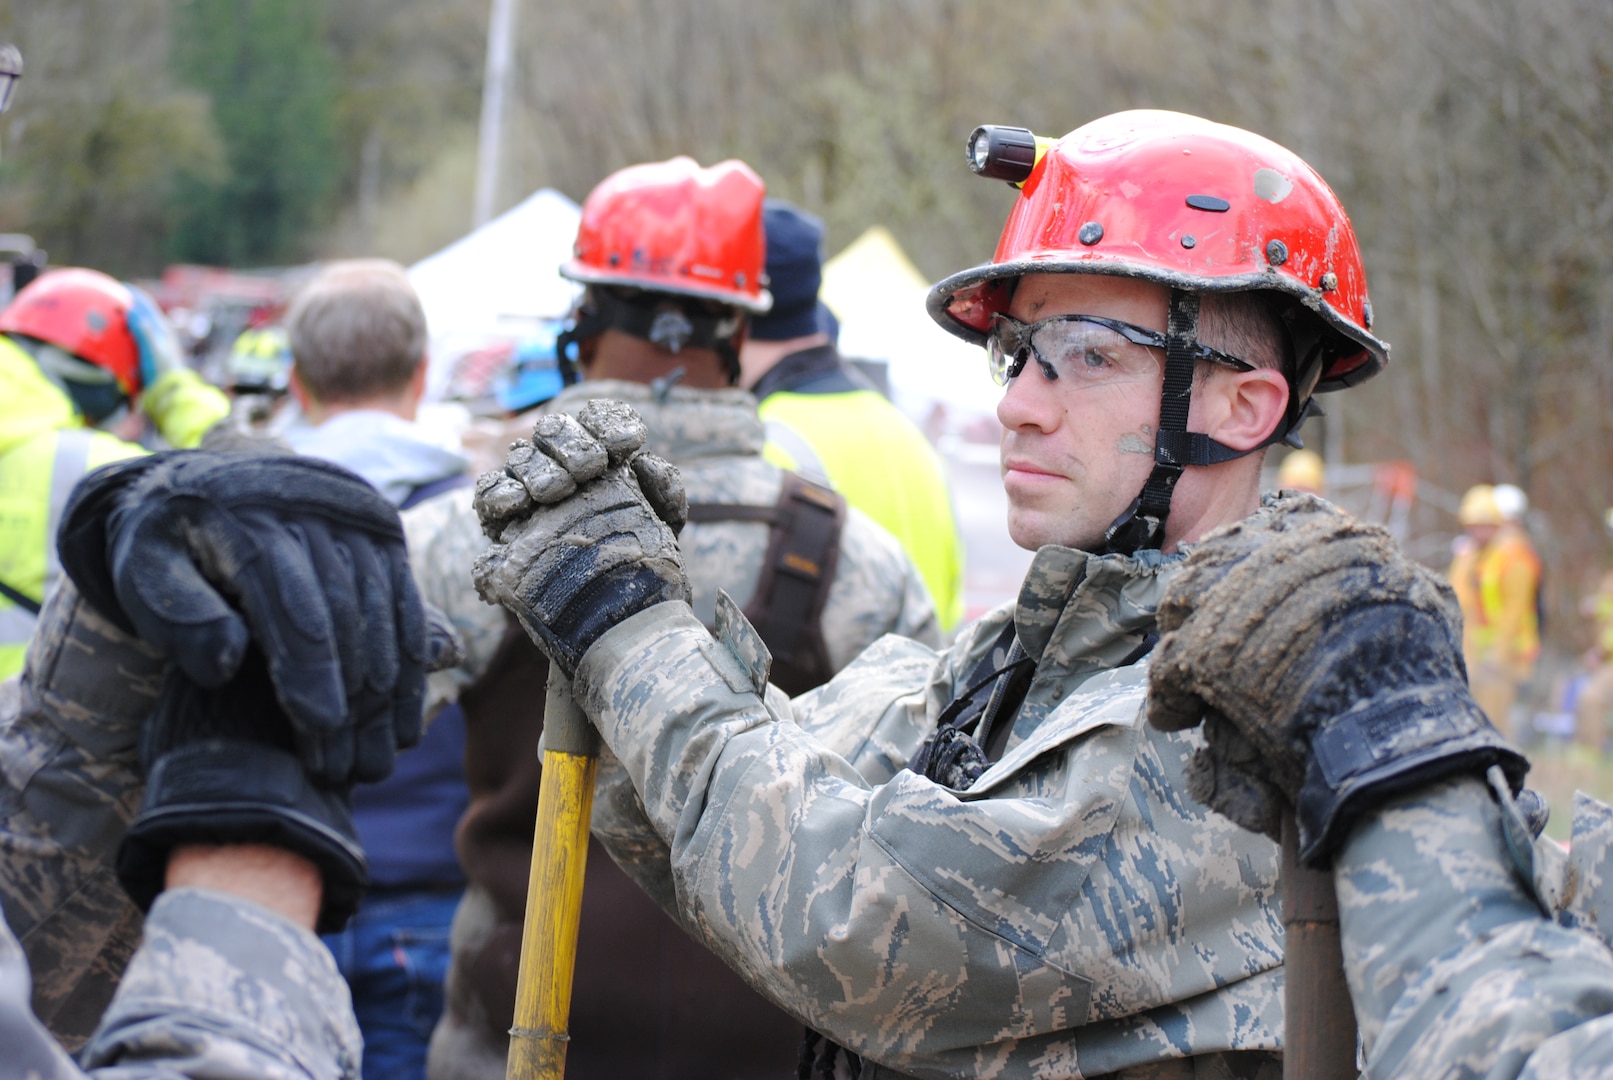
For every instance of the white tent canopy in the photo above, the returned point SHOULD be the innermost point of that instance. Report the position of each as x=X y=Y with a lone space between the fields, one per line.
x=878 y=295
x=499 y=280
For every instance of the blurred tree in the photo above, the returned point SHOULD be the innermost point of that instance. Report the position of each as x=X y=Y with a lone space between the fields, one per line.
x=269 y=73
x=409 y=81
x=99 y=137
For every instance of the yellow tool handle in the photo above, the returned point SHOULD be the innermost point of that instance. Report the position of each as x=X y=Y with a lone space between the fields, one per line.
x=554 y=889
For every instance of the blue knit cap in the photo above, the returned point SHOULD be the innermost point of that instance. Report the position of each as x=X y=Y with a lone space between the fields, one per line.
x=794 y=273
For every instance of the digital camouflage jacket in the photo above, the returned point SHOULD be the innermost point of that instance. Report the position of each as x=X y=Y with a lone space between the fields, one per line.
x=218 y=987
x=1072 y=914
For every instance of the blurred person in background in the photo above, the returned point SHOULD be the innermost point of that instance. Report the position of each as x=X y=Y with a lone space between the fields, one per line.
x=257 y=376
x=78 y=349
x=1496 y=574
x=826 y=420
x=358 y=344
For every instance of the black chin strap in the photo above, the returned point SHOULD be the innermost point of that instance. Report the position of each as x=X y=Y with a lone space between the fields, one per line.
x=1142 y=526
x=659 y=319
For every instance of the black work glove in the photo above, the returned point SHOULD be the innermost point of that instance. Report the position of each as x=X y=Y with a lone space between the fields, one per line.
x=1327 y=668
x=199 y=554
x=222 y=767
x=584 y=528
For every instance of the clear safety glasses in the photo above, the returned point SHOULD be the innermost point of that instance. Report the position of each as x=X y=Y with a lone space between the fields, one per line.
x=1087 y=349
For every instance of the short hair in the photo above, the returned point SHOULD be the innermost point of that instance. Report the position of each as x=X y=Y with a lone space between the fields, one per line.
x=1246 y=325
x=357 y=331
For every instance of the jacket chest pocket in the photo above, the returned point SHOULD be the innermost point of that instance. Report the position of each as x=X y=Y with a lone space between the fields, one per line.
x=1011 y=862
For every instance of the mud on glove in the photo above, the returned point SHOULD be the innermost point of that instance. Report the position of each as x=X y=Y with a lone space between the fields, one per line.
x=199 y=554
x=221 y=768
x=584 y=528
x=1327 y=668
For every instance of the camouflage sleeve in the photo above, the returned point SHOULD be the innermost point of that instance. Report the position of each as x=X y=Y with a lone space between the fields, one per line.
x=224 y=989
x=69 y=786
x=1453 y=967
x=841 y=901
x=444 y=538
x=878 y=747
x=29 y=1048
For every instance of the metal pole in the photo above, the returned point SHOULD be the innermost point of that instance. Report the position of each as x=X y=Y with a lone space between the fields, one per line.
x=495 y=85
x=1319 y=1040
x=554 y=889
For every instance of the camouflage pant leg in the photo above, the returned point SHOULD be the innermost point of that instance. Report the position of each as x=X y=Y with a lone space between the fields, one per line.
x=1453 y=969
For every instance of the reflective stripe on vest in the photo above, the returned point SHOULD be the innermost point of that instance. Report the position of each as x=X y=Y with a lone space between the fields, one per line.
x=72 y=462
x=788 y=449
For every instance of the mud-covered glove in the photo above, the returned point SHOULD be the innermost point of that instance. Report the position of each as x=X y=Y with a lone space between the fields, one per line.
x=200 y=554
x=1327 y=667
x=584 y=528
x=222 y=767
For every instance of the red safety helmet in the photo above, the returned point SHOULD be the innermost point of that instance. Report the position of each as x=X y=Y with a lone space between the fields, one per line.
x=1189 y=204
x=1196 y=207
x=83 y=312
x=673 y=227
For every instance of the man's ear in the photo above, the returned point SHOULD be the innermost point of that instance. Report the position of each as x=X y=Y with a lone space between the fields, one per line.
x=417 y=381
x=299 y=392
x=1243 y=408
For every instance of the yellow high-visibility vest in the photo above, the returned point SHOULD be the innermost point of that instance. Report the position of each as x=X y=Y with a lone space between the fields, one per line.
x=1509 y=581
x=45 y=449
x=1498 y=588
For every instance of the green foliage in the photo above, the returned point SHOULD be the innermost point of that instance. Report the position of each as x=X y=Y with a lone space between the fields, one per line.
x=104 y=169
x=270 y=77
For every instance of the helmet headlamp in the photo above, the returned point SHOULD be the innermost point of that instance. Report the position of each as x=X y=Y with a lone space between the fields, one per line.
x=998 y=152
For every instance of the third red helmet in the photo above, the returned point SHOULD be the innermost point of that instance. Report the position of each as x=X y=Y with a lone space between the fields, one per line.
x=83 y=312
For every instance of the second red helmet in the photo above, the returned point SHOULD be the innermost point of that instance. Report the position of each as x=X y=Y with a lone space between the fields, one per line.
x=673 y=227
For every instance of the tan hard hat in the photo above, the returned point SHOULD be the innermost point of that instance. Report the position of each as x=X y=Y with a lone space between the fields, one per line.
x=1303 y=470
x=1479 y=507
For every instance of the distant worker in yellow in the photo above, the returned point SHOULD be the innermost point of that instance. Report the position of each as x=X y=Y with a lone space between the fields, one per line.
x=827 y=421
x=76 y=349
x=1303 y=470
x=1496 y=575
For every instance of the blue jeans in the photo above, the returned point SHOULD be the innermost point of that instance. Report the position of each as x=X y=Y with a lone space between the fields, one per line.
x=394 y=956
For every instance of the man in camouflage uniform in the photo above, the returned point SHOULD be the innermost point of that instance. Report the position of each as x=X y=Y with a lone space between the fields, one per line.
x=981 y=862
x=113 y=799
x=647 y=1000
x=1330 y=667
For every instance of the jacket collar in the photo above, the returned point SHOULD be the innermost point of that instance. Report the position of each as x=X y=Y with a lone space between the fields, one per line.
x=1080 y=613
